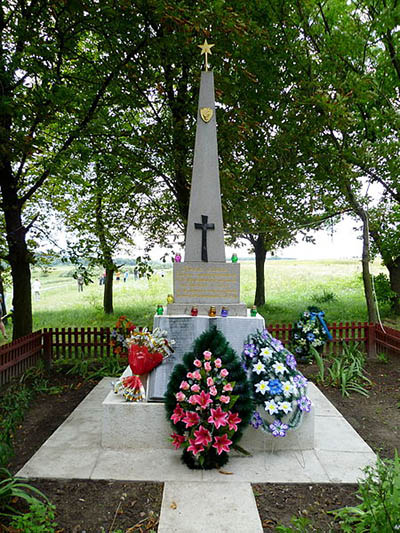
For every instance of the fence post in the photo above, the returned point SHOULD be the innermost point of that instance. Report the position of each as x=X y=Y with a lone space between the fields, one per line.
x=371 y=340
x=47 y=349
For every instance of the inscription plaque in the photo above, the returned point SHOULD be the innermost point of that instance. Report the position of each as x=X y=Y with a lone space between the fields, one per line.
x=206 y=282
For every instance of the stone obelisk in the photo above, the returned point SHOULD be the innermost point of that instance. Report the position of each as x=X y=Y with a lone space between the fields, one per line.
x=204 y=279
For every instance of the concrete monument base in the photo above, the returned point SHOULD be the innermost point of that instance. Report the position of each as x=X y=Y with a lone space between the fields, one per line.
x=144 y=425
x=185 y=329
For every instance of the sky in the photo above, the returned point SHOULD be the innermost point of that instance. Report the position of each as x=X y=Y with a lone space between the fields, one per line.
x=343 y=243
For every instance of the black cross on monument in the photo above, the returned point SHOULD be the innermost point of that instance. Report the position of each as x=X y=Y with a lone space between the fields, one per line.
x=204 y=227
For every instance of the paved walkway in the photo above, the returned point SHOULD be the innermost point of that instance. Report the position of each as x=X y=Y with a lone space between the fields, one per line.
x=197 y=501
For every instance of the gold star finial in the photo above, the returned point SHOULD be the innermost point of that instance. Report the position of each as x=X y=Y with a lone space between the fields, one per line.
x=205 y=49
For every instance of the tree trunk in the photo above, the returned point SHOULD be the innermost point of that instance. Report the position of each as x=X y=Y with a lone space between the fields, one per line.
x=19 y=259
x=369 y=296
x=394 y=276
x=261 y=252
x=3 y=302
x=108 y=292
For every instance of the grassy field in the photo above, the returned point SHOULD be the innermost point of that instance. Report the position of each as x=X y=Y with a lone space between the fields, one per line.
x=290 y=287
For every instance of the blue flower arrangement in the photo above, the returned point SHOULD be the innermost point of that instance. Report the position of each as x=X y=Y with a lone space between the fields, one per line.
x=309 y=331
x=279 y=389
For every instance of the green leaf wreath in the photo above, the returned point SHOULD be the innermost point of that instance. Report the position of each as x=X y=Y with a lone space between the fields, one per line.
x=309 y=331
x=279 y=390
x=208 y=402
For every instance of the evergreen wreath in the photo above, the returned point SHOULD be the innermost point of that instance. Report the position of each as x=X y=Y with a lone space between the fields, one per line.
x=208 y=402
x=309 y=331
x=279 y=390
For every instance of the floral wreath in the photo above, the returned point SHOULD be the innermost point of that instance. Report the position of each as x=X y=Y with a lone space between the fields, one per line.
x=279 y=390
x=205 y=421
x=207 y=404
x=309 y=331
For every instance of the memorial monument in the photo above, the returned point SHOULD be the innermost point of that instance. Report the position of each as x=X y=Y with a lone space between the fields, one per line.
x=204 y=279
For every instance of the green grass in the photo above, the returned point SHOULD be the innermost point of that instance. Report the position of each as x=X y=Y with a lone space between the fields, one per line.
x=290 y=287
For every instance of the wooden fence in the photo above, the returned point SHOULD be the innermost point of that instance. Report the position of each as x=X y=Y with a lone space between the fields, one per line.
x=79 y=343
x=387 y=340
x=19 y=355
x=83 y=343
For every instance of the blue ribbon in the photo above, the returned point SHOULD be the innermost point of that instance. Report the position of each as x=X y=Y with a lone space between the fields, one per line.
x=320 y=317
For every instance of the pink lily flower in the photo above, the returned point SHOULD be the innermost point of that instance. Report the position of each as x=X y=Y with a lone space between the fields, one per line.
x=191 y=419
x=203 y=436
x=222 y=444
x=203 y=399
x=177 y=440
x=233 y=420
x=194 y=448
x=218 y=417
x=178 y=414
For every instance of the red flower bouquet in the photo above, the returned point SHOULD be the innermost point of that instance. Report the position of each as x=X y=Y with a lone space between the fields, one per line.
x=146 y=351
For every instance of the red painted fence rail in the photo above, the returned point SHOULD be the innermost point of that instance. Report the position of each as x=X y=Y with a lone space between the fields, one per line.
x=84 y=343
x=17 y=356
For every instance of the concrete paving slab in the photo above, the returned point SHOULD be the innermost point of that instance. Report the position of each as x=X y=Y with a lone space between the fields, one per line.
x=209 y=507
x=336 y=434
x=61 y=463
x=143 y=465
x=345 y=467
x=325 y=407
x=277 y=467
x=76 y=432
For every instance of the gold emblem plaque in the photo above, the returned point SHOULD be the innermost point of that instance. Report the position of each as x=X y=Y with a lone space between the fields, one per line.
x=206 y=113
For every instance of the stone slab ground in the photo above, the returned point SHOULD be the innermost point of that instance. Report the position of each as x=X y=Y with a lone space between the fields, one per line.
x=74 y=452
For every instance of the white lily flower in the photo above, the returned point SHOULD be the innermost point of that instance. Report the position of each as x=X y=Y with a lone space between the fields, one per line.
x=271 y=406
x=284 y=406
x=258 y=368
x=279 y=368
x=262 y=386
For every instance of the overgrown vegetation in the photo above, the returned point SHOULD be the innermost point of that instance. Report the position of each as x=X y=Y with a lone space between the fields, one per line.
x=379 y=508
x=379 y=492
x=89 y=369
x=344 y=371
x=15 y=401
x=15 y=496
